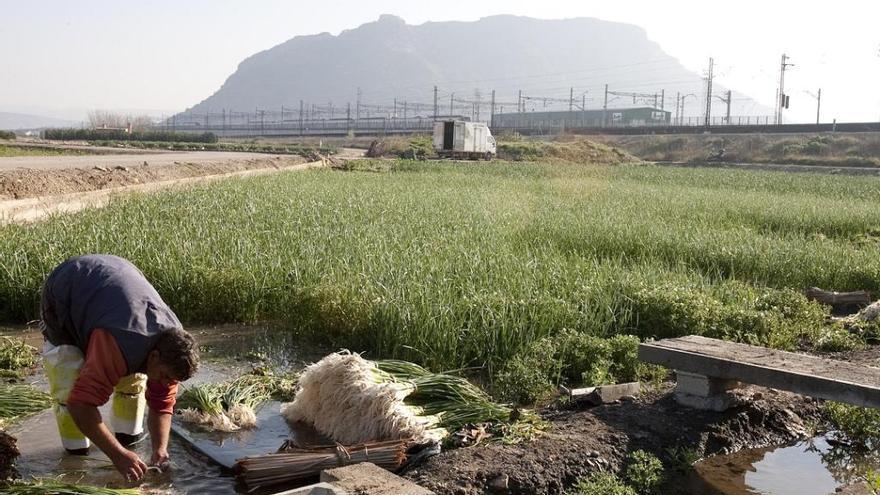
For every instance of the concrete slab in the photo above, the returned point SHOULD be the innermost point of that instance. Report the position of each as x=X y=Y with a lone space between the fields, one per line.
x=605 y=394
x=316 y=489
x=808 y=375
x=368 y=479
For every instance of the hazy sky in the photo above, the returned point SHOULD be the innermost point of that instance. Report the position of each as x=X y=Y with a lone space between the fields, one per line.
x=63 y=57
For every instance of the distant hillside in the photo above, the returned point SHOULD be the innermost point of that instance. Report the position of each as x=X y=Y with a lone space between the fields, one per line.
x=389 y=59
x=13 y=121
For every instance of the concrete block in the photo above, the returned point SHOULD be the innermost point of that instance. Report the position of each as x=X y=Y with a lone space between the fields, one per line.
x=717 y=403
x=316 y=489
x=368 y=479
x=704 y=392
x=702 y=386
x=606 y=394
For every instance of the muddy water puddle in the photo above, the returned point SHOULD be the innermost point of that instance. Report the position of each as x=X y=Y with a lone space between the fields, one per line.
x=227 y=352
x=812 y=467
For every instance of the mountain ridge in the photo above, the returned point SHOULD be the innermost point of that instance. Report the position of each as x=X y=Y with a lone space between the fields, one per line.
x=387 y=59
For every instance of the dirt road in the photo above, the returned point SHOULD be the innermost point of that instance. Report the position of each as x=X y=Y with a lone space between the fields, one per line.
x=125 y=160
x=33 y=187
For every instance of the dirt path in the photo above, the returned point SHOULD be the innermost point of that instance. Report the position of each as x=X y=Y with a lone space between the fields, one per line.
x=36 y=208
x=152 y=158
x=54 y=175
x=36 y=186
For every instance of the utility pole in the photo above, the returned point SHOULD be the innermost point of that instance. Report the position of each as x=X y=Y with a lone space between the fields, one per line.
x=729 y=99
x=781 y=98
x=605 y=108
x=584 y=109
x=662 y=99
x=492 y=115
x=519 y=105
x=452 y=104
x=709 y=77
x=300 y=117
x=478 y=104
x=394 y=115
x=348 y=117
x=570 y=105
x=357 y=110
x=818 y=105
x=436 y=108
x=677 y=106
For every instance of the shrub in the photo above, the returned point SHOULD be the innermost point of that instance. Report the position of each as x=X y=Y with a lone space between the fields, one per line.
x=529 y=376
x=775 y=318
x=836 y=338
x=122 y=135
x=520 y=151
x=860 y=425
x=7 y=135
x=570 y=358
x=644 y=472
x=601 y=484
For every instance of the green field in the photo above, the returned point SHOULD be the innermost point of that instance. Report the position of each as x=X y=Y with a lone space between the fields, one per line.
x=461 y=265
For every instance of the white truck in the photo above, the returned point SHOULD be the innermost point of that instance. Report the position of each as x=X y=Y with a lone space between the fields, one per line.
x=462 y=139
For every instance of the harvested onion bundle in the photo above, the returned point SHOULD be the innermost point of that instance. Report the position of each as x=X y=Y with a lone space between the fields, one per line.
x=352 y=400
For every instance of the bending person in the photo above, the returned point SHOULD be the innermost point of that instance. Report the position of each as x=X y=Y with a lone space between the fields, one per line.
x=108 y=332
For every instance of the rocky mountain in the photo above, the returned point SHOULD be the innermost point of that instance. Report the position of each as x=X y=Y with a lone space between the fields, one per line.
x=389 y=59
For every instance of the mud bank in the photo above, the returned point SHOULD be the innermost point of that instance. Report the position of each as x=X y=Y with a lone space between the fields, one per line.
x=582 y=442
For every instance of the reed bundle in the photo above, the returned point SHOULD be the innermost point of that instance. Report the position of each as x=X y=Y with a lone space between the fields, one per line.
x=295 y=463
x=55 y=487
x=18 y=401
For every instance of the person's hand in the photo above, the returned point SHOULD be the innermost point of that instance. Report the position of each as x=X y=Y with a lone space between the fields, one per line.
x=130 y=465
x=161 y=460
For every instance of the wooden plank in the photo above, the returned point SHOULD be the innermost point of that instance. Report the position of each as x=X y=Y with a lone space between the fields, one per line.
x=807 y=375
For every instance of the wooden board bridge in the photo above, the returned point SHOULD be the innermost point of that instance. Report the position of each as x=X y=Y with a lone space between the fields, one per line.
x=707 y=368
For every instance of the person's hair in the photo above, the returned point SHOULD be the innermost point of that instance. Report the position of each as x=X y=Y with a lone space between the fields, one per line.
x=178 y=350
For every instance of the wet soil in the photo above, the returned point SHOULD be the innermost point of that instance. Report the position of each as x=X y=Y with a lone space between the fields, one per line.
x=8 y=454
x=30 y=182
x=599 y=439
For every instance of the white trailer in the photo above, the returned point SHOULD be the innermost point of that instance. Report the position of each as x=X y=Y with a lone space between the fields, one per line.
x=461 y=139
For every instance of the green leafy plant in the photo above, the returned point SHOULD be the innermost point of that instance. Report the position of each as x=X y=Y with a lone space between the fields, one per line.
x=682 y=459
x=644 y=472
x=601 y=484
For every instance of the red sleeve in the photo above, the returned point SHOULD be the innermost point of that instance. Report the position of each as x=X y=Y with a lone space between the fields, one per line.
x=103 y=368
x=161 y=398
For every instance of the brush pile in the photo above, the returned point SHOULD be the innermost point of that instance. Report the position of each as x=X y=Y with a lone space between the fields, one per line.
x=352 y=400
x=295 y=463
x=16 y=357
